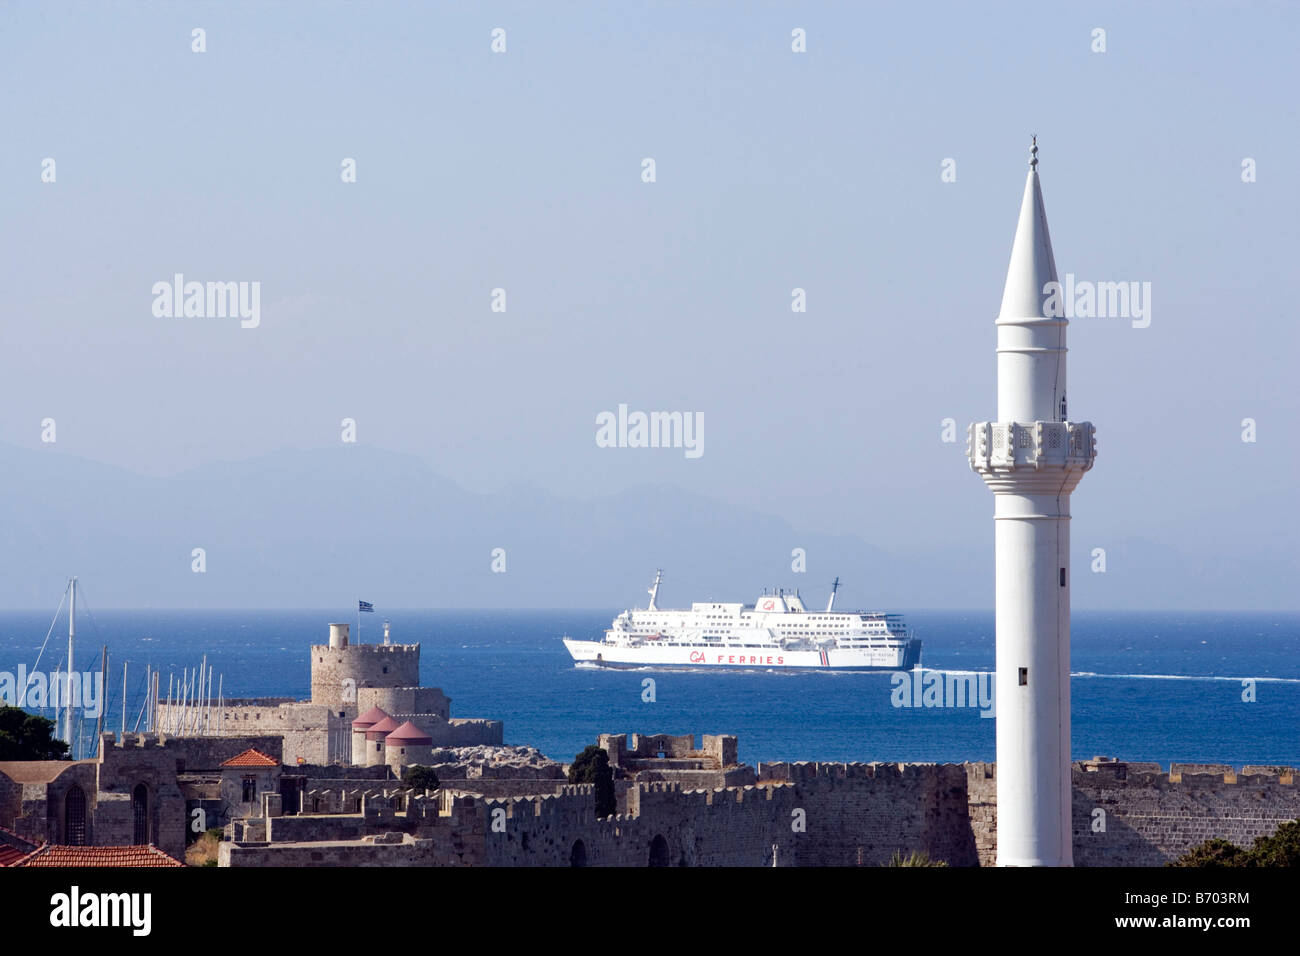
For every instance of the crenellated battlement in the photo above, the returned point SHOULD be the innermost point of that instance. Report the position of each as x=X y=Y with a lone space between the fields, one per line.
x=1103 y=770
x=363 y=650
x=660 y=788
x=145 y=741
x=809 y=772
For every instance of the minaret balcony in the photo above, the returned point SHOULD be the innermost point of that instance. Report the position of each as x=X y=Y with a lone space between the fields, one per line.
x=1031 y=446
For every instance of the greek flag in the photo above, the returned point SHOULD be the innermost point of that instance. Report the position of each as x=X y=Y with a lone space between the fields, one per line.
x=365 y=606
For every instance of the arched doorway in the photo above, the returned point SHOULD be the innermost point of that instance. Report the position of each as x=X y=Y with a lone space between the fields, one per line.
x=578 y=855
x=140 y=815
x=659 y=851
x=74 y=817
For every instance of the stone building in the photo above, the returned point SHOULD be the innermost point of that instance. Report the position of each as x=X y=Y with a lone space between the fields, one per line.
x=348 y=680
x=664 y=758
x=139 y=790
x=244 y=778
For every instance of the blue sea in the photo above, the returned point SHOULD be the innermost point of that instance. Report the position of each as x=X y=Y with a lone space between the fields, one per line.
x=1147 y=686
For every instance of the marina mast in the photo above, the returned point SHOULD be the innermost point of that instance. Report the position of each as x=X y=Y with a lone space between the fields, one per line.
x=72 y=635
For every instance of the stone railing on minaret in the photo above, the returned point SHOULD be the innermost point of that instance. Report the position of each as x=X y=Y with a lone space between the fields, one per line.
x=1008 y=454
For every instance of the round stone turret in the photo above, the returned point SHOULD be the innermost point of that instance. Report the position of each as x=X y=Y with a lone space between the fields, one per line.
x=340 y=669
x=406 y=745
x=359 y=727
x=375 y=738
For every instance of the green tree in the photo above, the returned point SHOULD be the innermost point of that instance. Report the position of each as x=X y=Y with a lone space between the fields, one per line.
x=25 y=736
x=421 y=778
x=1214 y=853
x=592 y=766
x=1280 y=849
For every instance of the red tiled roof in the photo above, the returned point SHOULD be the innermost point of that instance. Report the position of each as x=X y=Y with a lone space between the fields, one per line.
x=408 y=733
x=13 y=847
x=382 y=729
x=52 y=854
x=367 y=720
x=252 y=757
x=9 y=854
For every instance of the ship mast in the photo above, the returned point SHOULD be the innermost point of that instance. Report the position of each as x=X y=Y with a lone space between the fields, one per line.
x=835 y=586
x=654 y=590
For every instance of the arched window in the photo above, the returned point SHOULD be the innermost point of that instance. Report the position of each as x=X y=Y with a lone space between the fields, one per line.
x=74 y=817
x=578 y=855
x=140 y=815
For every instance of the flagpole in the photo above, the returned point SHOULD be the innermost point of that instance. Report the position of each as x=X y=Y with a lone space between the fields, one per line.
x=358 y=620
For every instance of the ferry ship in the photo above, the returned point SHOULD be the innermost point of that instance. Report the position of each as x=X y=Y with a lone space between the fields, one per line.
x=776 y=632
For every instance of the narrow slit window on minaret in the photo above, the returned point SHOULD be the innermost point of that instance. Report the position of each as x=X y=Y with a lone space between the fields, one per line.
x=1062 y=577
x=1024 y=677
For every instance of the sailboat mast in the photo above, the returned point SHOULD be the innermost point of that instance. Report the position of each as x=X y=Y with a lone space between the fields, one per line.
x=55 y=695
x=72 y=634
x=103 y=680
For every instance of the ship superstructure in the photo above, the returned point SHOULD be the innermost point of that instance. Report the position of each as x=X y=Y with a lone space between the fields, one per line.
x=776 y=631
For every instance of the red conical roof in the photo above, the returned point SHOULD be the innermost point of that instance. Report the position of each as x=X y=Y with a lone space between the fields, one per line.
x=408 y=734
x=382 y=729
x=371 y=717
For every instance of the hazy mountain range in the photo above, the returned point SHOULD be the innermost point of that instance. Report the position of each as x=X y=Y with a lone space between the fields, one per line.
x=322 y=528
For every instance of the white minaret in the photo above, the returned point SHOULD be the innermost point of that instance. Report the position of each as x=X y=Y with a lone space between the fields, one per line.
x=1031 y=458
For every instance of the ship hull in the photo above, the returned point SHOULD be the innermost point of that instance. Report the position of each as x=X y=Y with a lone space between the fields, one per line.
x=653 y=654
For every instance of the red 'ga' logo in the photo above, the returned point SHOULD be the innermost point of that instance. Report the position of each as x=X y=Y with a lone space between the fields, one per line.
x=697 y=657
x=768 y=604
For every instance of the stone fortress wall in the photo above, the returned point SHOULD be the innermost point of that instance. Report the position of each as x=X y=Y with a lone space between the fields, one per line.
x=1150 y=816
x=792 y=814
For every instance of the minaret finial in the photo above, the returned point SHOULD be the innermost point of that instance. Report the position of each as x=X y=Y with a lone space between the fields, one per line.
x=1033 y=154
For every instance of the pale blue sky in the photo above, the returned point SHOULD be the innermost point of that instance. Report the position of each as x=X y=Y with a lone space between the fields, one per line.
x=775 y=170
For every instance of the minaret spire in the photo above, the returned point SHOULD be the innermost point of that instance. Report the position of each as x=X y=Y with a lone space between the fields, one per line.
x=1032 y=458
x=1031 y=374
